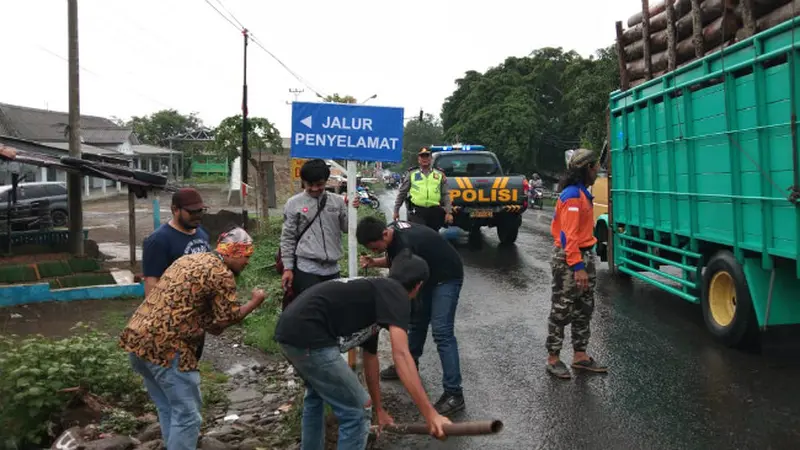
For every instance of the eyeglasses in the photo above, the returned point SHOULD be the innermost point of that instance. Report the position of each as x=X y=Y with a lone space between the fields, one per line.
x=196 y=212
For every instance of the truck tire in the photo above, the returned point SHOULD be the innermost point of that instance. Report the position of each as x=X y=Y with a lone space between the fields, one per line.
x=508 y=229
x=727 y=306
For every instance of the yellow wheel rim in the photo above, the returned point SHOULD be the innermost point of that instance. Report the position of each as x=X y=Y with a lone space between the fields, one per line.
x=722 y=298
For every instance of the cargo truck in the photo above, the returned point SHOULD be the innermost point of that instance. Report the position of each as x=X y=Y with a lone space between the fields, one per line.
x=700 y=190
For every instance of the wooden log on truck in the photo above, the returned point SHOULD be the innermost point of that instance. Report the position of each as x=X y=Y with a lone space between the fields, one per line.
x=710 y=10
x=778 y=16
x=747 y=13
x=697 y=29
x=671 y=36
x=647 y=56
x=657 y=22
x=658 y=8
x=623 y=68
x=712 y=36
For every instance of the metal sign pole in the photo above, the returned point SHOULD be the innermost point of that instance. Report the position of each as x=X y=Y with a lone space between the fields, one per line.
x=352 y=214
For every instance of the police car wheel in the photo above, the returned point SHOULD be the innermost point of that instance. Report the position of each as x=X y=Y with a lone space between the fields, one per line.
x=508 y=230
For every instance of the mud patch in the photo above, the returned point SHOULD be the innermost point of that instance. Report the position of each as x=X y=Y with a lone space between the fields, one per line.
x=55 y=319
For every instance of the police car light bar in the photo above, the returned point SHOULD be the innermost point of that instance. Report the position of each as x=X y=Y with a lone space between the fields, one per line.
x=456 y=147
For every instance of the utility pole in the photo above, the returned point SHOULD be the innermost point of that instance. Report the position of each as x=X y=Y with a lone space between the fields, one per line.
x=73 y=179
x=245 y=151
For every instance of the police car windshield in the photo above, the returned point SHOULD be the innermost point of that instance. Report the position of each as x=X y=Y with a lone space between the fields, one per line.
x=467 y=165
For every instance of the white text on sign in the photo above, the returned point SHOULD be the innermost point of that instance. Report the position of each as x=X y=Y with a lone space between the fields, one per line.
x=340 y=140
x=352 y=123
x=344 y=141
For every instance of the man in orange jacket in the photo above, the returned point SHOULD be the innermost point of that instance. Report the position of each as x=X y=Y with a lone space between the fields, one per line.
x=573 y=266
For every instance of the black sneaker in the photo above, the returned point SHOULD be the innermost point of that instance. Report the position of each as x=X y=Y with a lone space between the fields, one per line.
x=390 y=373
x=449 y=404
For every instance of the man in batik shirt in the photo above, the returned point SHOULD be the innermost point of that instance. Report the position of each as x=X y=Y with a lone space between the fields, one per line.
x=197 y=293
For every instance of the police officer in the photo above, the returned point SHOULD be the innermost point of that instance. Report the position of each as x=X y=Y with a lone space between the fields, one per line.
x=425 y=188
x=573 y=266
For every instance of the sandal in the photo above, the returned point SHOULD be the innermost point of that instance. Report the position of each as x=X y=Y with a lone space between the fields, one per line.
x=559 y=369
x=590 y=365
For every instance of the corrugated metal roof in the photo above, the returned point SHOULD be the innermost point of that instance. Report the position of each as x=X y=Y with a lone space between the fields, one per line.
x=85 y=148
x=151 y=150
x=43 y=125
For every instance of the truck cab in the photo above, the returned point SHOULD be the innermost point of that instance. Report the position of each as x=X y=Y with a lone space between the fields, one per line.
x=481 y=192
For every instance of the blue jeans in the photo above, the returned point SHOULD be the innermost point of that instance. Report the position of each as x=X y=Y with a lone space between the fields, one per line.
x=178 y=401
x=437 y=307
x=329 y=379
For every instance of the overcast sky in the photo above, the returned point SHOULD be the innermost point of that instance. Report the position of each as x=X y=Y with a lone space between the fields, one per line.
x=141 y=56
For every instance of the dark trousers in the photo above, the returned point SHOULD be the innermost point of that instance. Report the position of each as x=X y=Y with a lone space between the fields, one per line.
x=304 y=280
x=432 y=216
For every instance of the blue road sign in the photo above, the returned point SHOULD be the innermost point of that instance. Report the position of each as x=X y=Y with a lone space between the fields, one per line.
x=347 y=131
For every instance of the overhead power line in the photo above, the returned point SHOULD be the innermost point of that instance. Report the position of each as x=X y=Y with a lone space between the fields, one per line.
x=222 y=5
x=292 y=72
x=241 y=28
x=227 y=19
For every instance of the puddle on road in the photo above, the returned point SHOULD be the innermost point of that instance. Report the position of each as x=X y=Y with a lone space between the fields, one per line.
x=119 y=251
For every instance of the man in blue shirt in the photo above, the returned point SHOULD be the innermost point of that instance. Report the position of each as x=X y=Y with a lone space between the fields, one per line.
x=182 y=235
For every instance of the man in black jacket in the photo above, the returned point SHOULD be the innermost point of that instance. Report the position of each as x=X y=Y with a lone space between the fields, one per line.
x=334 y=316
x=438 y=298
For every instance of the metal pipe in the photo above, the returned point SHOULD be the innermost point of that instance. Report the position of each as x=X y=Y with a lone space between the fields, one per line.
x=679 y=251
x=456 y=429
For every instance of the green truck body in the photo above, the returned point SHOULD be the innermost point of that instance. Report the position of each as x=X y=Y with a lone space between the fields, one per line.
x=703 y=174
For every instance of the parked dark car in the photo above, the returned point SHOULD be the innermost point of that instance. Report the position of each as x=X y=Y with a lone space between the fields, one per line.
x=34 y=192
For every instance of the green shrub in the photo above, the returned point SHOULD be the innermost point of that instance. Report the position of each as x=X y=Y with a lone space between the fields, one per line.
x=49 y=269
x=17 y=274
x=86 y=279
x=84 y=265
x=36 y=370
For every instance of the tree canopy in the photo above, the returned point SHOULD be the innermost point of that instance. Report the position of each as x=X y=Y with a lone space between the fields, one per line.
x=418 y=134
x=530 y=110
x=158 y=127
x=336 y=98
x=262 y=135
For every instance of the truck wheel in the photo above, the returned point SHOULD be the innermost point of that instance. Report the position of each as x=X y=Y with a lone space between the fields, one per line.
x=727 y=306
x=508 y=229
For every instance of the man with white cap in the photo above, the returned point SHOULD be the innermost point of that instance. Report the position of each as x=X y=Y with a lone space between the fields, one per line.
x=195 y=295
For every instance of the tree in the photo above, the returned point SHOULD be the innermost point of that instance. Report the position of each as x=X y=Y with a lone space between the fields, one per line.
x=530 y=110
x=418 y=134
x=262 y=136
x=158 y=127
x=336 y=98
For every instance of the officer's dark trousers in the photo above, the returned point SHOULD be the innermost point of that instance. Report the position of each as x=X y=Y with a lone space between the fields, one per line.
x=432 y=216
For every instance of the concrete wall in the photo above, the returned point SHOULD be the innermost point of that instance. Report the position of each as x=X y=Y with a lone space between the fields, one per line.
x=282 y=167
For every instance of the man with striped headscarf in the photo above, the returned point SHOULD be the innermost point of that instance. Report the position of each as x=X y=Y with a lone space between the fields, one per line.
x=195 y=295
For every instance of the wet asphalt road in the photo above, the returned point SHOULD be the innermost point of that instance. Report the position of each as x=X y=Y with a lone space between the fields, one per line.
x=670 y=385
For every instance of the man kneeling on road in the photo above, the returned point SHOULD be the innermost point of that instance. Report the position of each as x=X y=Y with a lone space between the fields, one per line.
x=438 y=299
x=309 y=332
x=197 y=293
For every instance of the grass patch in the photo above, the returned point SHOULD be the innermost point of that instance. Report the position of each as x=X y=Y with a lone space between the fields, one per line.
x=259 y=327
x=115 y=321
x=212 y=387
